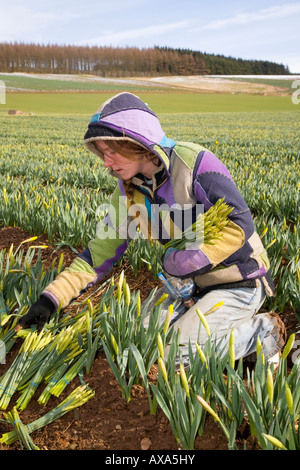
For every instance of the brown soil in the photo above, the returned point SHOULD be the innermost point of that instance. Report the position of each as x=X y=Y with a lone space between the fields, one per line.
x=107 y=422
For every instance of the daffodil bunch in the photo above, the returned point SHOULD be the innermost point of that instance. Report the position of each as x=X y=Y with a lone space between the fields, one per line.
x=76 y=398
x=32 y=351
x=207 y=228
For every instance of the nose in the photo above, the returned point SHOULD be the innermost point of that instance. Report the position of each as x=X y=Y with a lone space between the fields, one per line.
x=107 y=161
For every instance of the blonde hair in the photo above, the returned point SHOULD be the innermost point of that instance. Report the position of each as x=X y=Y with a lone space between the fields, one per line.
x=133 y=151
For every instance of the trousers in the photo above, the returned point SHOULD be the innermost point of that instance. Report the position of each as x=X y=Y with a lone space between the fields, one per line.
x=239 y=312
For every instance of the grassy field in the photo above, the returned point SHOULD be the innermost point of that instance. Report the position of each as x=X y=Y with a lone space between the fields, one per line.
x=283 y=83
x=27 y=82
x=172 y=102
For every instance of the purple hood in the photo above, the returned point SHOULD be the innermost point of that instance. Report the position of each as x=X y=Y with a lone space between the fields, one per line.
x=126 y=116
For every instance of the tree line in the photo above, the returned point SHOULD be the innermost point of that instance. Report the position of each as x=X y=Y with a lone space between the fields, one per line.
x=126 y=61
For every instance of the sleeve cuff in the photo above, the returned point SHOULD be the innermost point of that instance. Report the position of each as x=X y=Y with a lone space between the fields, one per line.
x=51 y=297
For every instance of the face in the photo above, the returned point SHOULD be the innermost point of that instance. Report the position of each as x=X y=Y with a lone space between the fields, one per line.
x=122 y=166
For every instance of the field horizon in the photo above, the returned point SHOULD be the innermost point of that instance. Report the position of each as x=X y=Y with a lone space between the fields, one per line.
x=83 y=94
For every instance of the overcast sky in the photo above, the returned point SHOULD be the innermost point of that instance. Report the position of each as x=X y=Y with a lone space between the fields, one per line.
x=260 y=29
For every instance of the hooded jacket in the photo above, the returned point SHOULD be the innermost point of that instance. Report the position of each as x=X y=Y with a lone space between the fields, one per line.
x=188 y=176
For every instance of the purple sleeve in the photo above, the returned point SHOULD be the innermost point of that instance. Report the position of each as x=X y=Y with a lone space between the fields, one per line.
x=184 y=263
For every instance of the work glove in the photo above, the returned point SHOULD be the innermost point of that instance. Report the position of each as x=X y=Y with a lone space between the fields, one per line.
x=39 y=313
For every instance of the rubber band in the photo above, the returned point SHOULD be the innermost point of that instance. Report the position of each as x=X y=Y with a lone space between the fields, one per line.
x=65 y=381
x=17 y=421
x=3 y=310
x=32 y=383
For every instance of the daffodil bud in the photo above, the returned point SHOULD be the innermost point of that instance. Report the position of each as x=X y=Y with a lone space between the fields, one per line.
x=288 y=346
x=208 y=408
x=201 y=354
x=231 y=349
x=138 y=304
x=184 y=380
x=168 y=318
x=289 y=399
x=61 y=260
x=127 y=294
x=270 y=385
x=161 y=300
x=114 y=344
x=276 y=442
x=163 y=369
x=160 y=346
x=203 y=321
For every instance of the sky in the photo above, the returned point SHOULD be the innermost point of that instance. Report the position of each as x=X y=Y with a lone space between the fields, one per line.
x=260 y=29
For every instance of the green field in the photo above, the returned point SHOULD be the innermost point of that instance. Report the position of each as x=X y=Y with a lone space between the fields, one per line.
x=287 y=84
x=172 y=102
x=27 y=82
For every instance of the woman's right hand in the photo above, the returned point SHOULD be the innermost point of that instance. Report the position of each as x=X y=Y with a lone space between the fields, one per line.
x=39 y=314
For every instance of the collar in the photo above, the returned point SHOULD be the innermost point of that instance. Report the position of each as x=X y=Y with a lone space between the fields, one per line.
x=158 y=176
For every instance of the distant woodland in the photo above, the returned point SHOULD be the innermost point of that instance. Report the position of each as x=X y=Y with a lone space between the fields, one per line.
x=126 y=62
